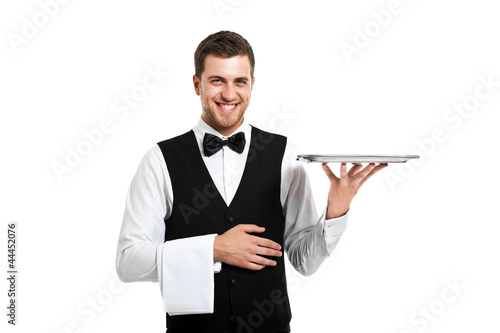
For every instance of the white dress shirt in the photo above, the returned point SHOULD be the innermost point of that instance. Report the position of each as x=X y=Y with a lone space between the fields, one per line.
x=185 y=267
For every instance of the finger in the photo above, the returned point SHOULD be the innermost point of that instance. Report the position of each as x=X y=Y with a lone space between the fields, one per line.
x=268 y=252
x=366 y=170
x=250 y=228
x=376 y=169
x=343 y=170
x=262 y=261
x=264 y=242
x=329 y=172
x=371 y=173
x=354 y=170
x=253 y=266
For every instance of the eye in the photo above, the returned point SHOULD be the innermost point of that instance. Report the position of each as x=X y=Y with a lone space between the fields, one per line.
x=241 y=82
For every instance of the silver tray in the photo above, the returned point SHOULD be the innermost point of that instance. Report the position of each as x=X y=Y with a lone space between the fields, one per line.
x=355 y=158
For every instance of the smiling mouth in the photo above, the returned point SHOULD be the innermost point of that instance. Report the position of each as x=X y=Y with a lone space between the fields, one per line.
x=226 y=107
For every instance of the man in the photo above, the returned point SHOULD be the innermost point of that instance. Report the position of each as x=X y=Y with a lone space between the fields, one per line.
x=209 y=212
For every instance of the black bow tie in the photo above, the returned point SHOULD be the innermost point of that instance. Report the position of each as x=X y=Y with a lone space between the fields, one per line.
x=212 y=143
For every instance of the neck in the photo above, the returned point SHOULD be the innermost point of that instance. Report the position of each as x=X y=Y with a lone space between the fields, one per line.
x=225 y=131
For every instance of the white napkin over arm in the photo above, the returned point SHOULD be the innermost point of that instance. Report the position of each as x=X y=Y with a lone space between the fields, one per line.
x=184 y=267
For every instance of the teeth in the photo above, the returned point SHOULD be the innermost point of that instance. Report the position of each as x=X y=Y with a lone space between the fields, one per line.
x=227 y=106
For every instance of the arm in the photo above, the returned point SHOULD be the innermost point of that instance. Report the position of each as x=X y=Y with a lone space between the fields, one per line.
x=309 y=240
x=142 y=254
x=142 y=231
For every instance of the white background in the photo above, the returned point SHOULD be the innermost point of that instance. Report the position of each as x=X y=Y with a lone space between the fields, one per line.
x=412 y=231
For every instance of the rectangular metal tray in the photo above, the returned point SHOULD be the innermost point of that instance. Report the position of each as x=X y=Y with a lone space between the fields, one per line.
x=355 y=158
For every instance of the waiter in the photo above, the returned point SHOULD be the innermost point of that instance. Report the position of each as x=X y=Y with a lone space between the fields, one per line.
x=209 y=213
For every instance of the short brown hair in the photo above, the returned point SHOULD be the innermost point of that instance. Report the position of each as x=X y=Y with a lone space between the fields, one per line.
x=224 y=44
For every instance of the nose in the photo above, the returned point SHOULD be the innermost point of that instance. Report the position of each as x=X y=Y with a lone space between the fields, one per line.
x=228 y=94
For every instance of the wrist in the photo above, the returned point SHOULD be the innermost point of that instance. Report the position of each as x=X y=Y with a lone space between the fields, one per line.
x=217 y=251
x=337 y=208
x=335 y=213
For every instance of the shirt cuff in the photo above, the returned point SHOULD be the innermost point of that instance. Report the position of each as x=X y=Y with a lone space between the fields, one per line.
x=217 y=266
x=186 y=274
x=333 y=229
x=336 y=226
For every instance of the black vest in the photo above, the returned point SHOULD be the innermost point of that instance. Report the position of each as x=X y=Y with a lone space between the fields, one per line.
x=246 y=301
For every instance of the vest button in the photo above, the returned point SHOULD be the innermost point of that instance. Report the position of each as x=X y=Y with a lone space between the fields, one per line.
x=231 y=219
x=234 y=282
x=231 y=319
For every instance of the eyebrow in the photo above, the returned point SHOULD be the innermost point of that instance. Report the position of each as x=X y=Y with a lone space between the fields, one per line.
x=222 y=78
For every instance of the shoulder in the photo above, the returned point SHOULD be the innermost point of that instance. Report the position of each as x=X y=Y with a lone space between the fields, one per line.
x=152 y=159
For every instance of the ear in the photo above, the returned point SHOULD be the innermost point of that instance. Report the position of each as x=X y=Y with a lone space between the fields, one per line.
x=197 y=84
x=253 y=81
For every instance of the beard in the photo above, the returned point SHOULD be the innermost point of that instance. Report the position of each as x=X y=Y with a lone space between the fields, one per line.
x=223 y=121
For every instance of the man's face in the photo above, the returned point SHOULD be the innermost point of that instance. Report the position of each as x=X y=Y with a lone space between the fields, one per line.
x=224 y=88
